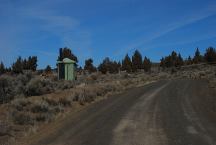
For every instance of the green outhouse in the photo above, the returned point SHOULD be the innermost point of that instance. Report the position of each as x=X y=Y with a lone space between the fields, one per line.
x=66 y=69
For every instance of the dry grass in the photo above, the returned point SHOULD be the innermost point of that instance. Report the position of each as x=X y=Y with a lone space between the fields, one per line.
x=38 y=101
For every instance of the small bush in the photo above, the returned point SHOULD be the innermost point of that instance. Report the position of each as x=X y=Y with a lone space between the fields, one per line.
x=100 y=91
x=65 y=102
x=90 y=94
x=40 y=118
x=5 y=129
x=63 y=85
x=94 y=77
x=22 y=118
x=19 y=89
x=20 y=104
x=24 y=78
x=40 y=108
x=34 y=87
x=51 y=102
x=75 y=95
x=6 y=89
x=47 y=86
x=57 y=109
x=86 y=95
x=81 y=99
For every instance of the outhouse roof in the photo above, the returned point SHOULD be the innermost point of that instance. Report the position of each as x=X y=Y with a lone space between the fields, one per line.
x=66 y=60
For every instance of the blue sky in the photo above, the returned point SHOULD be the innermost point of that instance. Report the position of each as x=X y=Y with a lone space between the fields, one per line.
x=98 y=28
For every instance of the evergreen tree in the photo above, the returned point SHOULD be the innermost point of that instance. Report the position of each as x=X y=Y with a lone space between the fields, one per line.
x=89 y=66
x=210 y=54
x=172 y=60
x=32 y=63
x=146 y=64
x=189 y=61
x=48 y=69
x=17 y=66
x=8 y=69
x=114 y=67
x=119 y=66
x=66 y=53
x=2 y=68
x=127 y=64
x=179 y=61
x=136 y=61
x=25 y=64
x=197 y=57
x=104 y=66
x=109 y=66
x=169 y=61
x=162 y=62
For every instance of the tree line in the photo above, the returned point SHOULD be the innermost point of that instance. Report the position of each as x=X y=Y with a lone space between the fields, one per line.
x=129 y=64
x=20 y=65
x=133 y=64
x=176 y=60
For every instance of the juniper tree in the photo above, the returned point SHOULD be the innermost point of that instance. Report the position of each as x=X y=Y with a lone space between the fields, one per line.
x=2 y=68
x=136 y=61
x=89 y=66
x=127 y=64
x=48 y=69
x=210 y=54
x=17 y=67
x=146 y=64
x=197 y=57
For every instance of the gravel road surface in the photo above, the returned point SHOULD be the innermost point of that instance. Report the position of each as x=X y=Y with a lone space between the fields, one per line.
x=161 y=113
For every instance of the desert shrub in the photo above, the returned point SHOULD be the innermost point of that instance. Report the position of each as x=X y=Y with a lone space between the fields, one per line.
x=51 y=102
x=24 y=102
x=91 y=79
x=56 y=109
x=124 y=75
x=109 y=88
x=20 y=104
x=37 y=86
x=100 y=91
x=125 y=83
x=86 y=95
x=90 y=94
x=47 y=86
x=34 y=87
x=6 y=89
x=75 y=95
x=40 y=107
x=44 y=117
x=94 y=77
x=5 y=129
x=24 y=78
x=82 y=99
x=19 y=83
x=173 y=70
x=65 y=102
x=40 y=118
x=54 y=78
x=22 y=118
x=19 y=88
x=19 y=108
x=39 y=72
x=63 y=85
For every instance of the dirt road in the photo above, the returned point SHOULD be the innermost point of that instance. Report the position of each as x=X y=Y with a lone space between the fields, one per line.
x=163 y=113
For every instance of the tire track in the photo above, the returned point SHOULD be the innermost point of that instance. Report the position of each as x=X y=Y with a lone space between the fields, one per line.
x=139 y=126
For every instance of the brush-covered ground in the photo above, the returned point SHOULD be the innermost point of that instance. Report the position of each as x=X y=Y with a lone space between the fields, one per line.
x=30 y=101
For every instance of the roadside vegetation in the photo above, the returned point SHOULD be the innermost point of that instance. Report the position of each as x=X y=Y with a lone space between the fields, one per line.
x=30 y=97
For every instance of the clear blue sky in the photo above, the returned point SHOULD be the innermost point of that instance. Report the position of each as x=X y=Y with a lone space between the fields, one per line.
x=99 y=28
